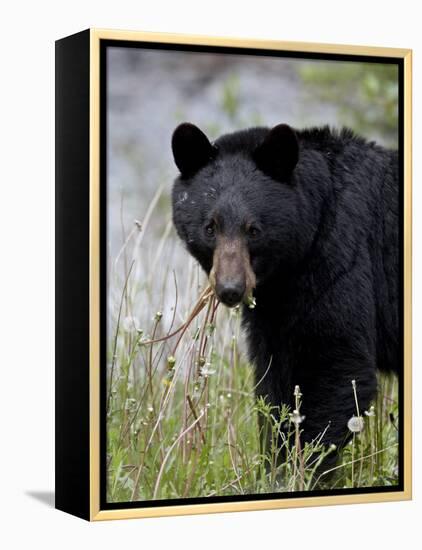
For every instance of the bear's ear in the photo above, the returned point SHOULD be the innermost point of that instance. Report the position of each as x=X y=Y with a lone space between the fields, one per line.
x=278 y=154
x=191 y=149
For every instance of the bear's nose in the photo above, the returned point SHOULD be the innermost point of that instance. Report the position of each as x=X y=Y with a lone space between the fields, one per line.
x=230 y=293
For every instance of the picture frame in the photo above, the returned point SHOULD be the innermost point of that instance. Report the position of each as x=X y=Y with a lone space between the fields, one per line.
x=82 y=165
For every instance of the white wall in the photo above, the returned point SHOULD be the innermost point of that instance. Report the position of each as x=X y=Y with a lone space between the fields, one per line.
x=26 y=300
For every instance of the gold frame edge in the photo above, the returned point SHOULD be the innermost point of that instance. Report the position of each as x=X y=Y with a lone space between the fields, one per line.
x=96 y=514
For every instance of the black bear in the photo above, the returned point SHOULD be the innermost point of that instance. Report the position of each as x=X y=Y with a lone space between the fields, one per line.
x=306 y=222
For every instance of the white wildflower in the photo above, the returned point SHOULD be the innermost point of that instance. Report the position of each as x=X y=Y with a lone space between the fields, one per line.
x=206 y=370
x=371 y=411
x=296 y=417
x=251 y=301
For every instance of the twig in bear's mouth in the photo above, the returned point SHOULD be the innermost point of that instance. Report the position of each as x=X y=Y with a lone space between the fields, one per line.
x=196 y=310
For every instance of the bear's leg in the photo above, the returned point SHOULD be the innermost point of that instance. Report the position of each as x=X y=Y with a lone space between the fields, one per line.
x=329 y=402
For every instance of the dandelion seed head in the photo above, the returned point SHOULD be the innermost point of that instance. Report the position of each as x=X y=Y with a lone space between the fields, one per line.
x=355 y=424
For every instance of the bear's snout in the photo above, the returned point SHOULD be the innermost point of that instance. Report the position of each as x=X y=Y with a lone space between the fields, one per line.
x=231 y=275
x=231 y=292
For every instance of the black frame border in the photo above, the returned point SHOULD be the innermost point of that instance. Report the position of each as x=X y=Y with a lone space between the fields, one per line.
x=232 y=50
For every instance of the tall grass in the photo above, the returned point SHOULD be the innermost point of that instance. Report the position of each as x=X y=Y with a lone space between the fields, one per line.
x=182 y=417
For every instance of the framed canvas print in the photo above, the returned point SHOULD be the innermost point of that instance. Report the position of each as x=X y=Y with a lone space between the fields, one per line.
x=233 y=274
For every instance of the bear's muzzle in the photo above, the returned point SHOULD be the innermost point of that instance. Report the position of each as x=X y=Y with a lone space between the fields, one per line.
x=231 y=276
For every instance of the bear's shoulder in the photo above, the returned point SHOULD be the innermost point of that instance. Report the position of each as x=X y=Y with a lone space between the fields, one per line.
x=328 y=139
x=325 y=139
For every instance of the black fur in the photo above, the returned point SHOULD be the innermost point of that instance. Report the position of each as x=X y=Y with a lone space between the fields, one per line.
x=325 y=258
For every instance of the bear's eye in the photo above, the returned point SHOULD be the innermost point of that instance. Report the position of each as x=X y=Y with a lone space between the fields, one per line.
x=253 y=231
x=210 y=229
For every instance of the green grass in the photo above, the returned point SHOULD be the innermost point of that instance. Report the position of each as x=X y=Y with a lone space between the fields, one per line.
x=182 y=417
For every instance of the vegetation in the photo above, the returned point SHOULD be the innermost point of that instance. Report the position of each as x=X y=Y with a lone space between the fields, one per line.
x=365 y=94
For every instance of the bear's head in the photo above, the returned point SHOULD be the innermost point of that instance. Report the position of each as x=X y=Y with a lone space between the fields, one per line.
x=237 y=205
